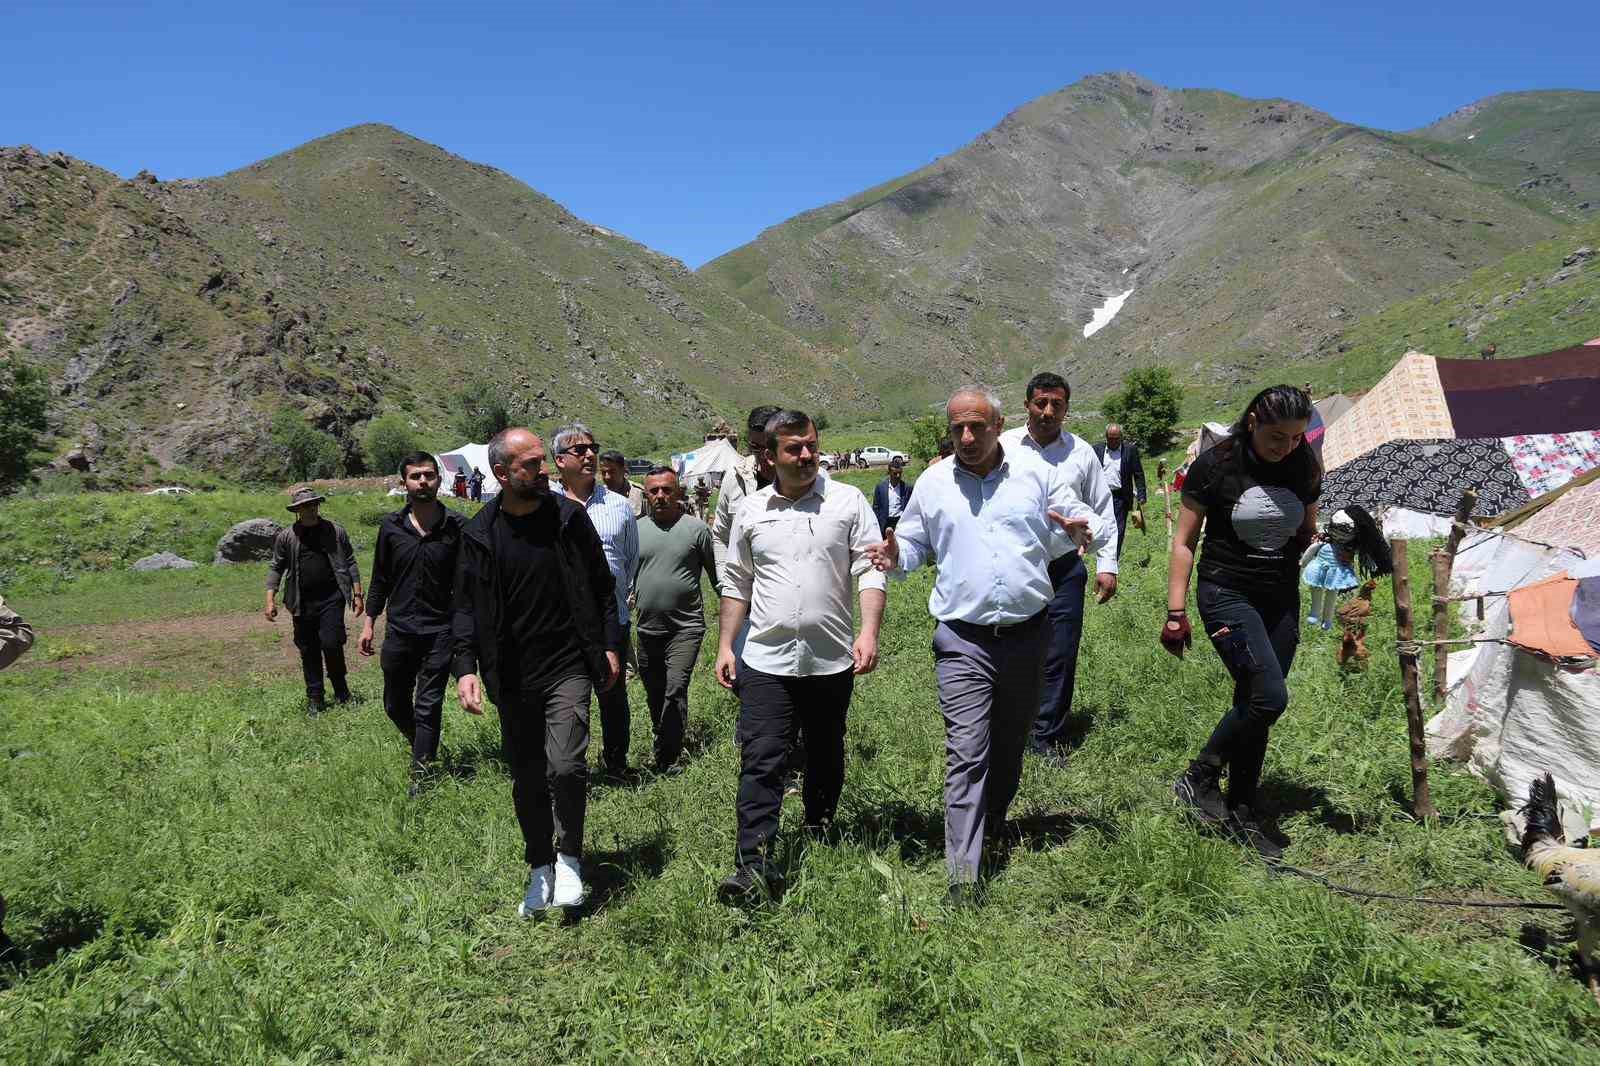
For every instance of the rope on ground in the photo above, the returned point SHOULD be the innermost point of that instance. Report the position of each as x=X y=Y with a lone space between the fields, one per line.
x=1362 y=893
x=1414 y=647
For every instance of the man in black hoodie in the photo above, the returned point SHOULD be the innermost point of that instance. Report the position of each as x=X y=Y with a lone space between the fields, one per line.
x=535 y=627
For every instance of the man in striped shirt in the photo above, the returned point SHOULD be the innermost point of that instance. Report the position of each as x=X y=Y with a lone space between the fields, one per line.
x=578 y=463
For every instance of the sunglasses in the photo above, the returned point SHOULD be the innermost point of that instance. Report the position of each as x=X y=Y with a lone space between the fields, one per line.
x=579 y=449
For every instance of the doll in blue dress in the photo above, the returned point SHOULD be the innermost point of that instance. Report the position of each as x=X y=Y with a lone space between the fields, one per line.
x=1328 y=567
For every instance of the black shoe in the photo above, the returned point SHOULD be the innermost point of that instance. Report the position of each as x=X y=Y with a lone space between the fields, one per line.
x=749 y=885
x=1200 y=792
x=961 y=896
x=314 y=707
x=422 y=778
x=1246 y=828
x=342 y=695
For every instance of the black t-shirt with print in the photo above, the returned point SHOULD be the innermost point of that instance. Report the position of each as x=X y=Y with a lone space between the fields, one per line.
x=1253 y=510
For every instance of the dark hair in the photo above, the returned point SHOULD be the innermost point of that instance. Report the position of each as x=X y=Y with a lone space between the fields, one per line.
x=947 y=447
x=788 y=421
x=1278 y=403
x=1046 y=379
x=759 y=416
x=657 y=471
x=613 y=457
x=418 y=459
x=1371 y=550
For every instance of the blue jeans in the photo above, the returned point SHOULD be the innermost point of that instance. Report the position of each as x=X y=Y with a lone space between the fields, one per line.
x=1065 y=622
x=1256 y=634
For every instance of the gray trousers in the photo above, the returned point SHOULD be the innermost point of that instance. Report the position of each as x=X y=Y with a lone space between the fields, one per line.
x=544 y=731
x=989 y=694
x=666 y=662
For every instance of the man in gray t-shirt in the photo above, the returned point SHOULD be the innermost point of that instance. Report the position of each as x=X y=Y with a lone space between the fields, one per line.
x=669 y=615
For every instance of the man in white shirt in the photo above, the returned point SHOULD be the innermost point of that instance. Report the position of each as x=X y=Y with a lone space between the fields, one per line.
x=577 y=463
x=792 y=553
x=993 y=520
x=1047 y=399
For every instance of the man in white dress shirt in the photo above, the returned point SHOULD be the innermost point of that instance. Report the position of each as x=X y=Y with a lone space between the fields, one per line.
x=792 y=553
x=993 y=519
x=577 y=463
x=1043 y=436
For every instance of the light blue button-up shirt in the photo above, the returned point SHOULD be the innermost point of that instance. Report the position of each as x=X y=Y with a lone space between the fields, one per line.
x=619 y=535
x=990 y=536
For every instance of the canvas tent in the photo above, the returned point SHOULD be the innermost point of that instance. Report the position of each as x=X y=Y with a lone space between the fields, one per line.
x=1512 y=713
x=707 y=463
x=464 y=459
x=1513 y=429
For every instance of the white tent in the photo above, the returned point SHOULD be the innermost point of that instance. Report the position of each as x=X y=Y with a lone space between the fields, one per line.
x=707 y=463
x=464 y=459
x=1509 y=714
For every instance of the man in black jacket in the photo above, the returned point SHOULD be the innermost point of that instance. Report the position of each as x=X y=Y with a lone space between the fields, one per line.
x=536 y=626
x=1124 y=474
x=315 y=567
x=890 y=497
x=413 y=577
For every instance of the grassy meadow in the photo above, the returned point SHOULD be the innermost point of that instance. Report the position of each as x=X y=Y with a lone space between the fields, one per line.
x=198 y=873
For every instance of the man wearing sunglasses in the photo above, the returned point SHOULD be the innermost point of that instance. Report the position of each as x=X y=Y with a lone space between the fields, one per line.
x=578 y=465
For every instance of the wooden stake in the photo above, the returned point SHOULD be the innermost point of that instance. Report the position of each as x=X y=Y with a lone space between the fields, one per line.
x=1421 y=802
x=1166 y=493
x=1444 y=561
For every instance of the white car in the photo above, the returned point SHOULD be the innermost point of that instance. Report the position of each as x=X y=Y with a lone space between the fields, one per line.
x=171 y=490
x=878 y=455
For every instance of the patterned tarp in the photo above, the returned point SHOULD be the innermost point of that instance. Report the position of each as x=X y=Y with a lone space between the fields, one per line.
x=1427 y=475
x=1548 y=461
x=1571 y=520
x=1408 y=404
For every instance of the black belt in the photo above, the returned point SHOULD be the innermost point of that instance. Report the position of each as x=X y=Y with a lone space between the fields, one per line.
x=1007 y=629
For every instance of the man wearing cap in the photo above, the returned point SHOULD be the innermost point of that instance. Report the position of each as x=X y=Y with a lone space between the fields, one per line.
x=749 y=476
x=315 y=567
x=889 y=498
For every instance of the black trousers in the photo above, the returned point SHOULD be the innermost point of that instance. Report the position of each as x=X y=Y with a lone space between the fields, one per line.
x=1065 y=619
x=319 y=634
x=770 y=709
x=544 y=730
x=1256 y=633
x=616 y=723
x=666 y=662
x=1120 y=506
x=415 y=670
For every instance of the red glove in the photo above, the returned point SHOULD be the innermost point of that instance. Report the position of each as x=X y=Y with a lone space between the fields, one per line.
x=1177 y=634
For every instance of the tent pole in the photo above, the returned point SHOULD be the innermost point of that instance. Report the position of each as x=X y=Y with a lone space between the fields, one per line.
x=1444 y=560
x=1421 y=801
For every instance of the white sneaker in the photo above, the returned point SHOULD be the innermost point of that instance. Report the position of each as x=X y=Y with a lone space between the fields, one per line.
x=570 y=889
x=537 y=898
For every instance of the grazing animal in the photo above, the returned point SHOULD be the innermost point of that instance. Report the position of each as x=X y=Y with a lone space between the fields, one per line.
x=1573 y=874
x=1486 y=353
x=1353 y=622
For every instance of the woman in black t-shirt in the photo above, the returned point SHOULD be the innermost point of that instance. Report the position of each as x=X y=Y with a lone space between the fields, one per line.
x=1255 y=494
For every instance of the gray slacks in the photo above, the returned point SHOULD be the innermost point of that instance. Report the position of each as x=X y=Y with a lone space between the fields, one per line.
x=989 y=695
x=666 y=663
x=544 y=731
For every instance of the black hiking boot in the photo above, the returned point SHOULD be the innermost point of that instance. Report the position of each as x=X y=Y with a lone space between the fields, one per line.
x=314 y=707
x=1200 y=792
x=1246 y=828
x=749 y=885
x=961 y=896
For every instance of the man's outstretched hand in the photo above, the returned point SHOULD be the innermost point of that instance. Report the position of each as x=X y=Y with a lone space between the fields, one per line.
x=1076 y=528
x=885 y=556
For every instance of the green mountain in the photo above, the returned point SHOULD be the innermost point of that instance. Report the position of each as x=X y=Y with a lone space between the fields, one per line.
x=364 y=271
x=1242 y=233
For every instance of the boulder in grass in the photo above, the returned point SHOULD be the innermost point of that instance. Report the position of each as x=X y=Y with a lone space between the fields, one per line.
x=163 y=561
x=248 y=541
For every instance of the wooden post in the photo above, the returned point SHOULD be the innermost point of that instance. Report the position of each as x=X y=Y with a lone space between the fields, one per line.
x=1405 y=632
x=1444 y=560
x=1166 y=493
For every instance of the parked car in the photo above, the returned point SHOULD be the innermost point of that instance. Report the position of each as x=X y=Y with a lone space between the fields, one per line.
x=878 y=455
x=636 y=467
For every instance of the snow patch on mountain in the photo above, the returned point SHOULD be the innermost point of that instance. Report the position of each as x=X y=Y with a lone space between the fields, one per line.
x=1105 y=313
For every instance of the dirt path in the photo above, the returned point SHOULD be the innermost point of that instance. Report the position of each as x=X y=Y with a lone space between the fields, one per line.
x=188 y=652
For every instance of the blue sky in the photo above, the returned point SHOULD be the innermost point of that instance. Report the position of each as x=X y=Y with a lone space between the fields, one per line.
x=693 y=126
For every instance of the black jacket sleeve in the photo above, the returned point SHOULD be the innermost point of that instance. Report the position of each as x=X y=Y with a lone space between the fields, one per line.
x=378 y=590
x=464 y=621
x=880 y=504
x=347 y=556
x=1138 y=471
x=602 y=586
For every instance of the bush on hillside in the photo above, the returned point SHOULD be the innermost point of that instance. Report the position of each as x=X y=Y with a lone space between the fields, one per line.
x=389 y=438
x=1147 y=407
x=481 y=411
x=307 y=451
x=926 y=433
x=23 y=396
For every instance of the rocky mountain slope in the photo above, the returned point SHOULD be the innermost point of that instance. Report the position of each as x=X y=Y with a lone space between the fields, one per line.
x=1238 y=233
x=363 y=271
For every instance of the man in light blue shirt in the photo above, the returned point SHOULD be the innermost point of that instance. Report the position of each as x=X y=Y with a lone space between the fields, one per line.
x=993 y=519
x=578 y=463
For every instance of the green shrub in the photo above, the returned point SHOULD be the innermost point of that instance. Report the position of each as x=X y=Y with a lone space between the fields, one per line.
x=389 y=438
x=1147 y=407
x=308 y=452
x=23 y=396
